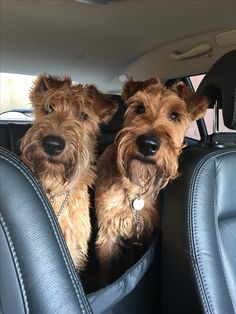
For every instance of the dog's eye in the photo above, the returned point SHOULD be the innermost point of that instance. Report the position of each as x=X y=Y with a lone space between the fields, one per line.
x=174 y=116
x=83 y=116
x=140 y=109
x=49 y=109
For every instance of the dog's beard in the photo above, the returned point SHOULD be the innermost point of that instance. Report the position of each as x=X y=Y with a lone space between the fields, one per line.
x=45 y=167
x=62 y=171
x=144 y=173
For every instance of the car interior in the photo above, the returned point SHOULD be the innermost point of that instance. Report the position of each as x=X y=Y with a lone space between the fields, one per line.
x=191 y=265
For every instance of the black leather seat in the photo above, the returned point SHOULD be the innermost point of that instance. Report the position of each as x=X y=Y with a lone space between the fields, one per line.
x=36 y=271
x=11 y=134
x=199 y=223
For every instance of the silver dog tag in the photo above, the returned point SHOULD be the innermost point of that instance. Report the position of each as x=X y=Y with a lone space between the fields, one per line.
x=138 y=204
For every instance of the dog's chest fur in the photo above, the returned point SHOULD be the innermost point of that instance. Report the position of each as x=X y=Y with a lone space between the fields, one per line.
x=113 y=205
x=75 y=218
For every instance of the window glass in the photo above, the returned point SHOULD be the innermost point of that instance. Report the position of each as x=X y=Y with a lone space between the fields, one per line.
x=196 y=80
x=209 y=120
x=14 y=100
x=209 y=117
x=193 y=131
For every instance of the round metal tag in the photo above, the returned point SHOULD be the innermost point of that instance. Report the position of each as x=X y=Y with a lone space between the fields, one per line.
x=138 y=204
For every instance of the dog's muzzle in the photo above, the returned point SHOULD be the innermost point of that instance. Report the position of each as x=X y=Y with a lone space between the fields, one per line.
x=147 y=144
x=53 y=145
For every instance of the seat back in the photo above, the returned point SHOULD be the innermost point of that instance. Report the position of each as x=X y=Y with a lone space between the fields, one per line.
x=199 y=221
x=36 y=271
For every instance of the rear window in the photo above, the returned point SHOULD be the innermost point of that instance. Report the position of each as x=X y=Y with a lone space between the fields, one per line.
x=14 y=102
x=193 y=131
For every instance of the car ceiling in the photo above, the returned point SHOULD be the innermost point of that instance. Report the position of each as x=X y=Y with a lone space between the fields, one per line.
x=97 y=43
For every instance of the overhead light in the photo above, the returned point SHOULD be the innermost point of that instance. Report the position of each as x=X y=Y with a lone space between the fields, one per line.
x=93 y=1
x=123 y=78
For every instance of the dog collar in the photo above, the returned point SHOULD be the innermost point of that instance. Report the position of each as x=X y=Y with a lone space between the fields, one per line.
x=136 y=205
x=64 y=204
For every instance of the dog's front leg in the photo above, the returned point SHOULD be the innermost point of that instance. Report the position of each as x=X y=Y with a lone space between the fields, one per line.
x=108 y=253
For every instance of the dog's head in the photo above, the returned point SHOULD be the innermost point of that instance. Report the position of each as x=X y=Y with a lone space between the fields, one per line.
x=61 y=142
x=155 y=123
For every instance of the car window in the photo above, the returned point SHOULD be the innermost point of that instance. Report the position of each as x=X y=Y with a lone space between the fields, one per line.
x=14 y=102
x=209 y=116
x=193 y=131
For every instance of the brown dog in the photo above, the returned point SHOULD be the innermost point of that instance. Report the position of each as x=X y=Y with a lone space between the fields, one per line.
x=59 y=149
x=143 y=159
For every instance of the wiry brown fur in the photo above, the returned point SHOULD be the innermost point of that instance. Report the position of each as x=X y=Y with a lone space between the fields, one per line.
x=122 y=169
x=60 y=109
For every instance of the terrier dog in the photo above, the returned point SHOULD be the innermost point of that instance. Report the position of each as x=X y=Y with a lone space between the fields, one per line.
x=60 y=149
x=140 y=163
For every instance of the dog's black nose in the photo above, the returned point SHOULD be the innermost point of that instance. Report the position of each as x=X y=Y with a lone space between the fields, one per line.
x=53 y=145
x=147 y=144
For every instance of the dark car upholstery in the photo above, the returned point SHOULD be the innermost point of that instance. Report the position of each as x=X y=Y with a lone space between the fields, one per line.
x=11 y=133
x=199 y=223
x=37 y=275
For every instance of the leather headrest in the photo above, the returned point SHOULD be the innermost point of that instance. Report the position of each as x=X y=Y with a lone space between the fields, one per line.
x=220 y=84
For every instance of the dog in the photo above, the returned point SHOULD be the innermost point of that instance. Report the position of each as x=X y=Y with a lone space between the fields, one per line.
x=60 y=149
x=133 y=170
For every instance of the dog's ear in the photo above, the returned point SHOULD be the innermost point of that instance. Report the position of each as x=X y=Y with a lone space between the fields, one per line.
x=43 y=83
x=107 y=109
x=104 y=106
x=196 y=105
x=131 y=87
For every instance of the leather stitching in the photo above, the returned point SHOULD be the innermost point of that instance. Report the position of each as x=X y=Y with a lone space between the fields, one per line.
x=234 y=110
x=16 y=263
x=193 y=242
x=191 y=222
x=218 y=244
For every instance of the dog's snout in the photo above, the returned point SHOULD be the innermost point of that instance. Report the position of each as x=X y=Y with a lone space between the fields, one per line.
x=147 y=144
x=53 y=145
